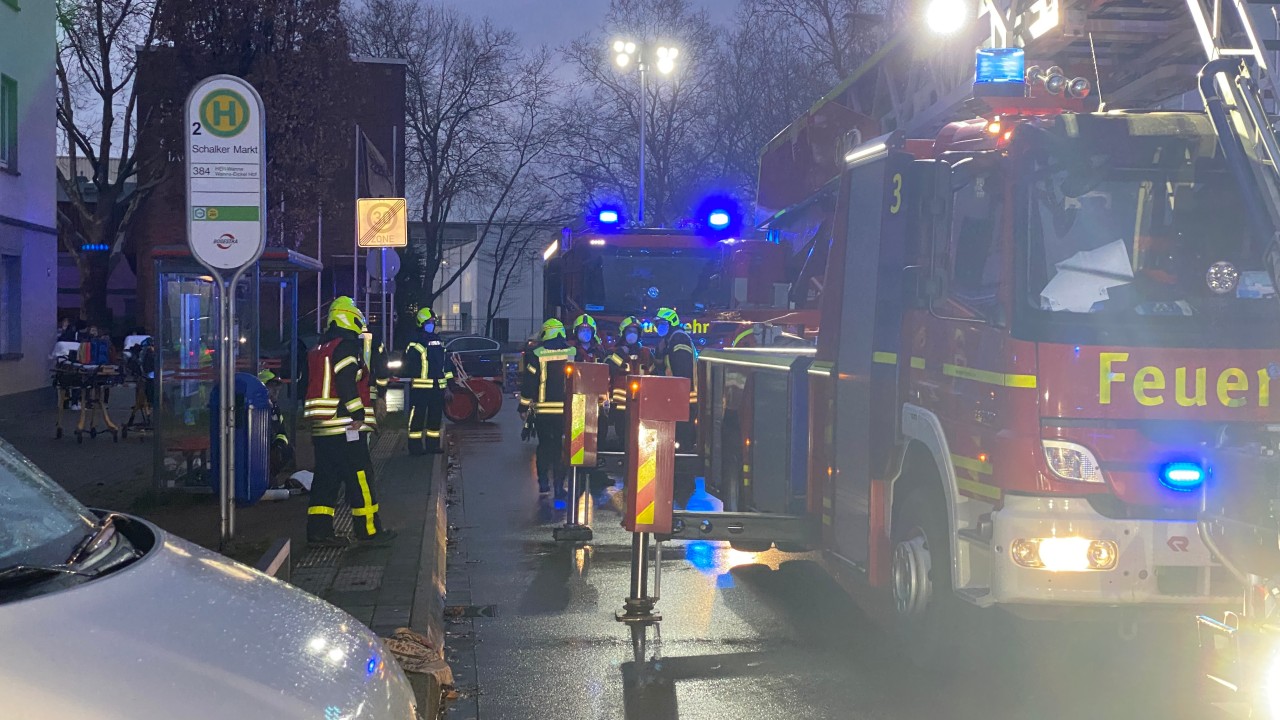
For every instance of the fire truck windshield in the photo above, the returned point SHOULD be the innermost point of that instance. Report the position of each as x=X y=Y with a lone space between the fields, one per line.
x=634 y=280
x=1125 y=252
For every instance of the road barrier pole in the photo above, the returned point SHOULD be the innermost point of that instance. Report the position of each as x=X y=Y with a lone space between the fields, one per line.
x=655 y=405
x=586 y=388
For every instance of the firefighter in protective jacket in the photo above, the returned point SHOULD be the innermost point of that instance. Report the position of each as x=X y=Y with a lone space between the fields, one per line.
x=586 y=340
x=426 y=365
x=629 y=357
x=678 y=358
x=542 y=392
x=339 y=406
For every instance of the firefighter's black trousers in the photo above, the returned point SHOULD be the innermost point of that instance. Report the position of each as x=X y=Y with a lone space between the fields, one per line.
x=426 y=420
x=341 y=463
x=550 y=449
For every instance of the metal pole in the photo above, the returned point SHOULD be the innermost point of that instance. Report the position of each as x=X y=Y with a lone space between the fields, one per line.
x=644 y=103
x=355 y=227
x=573 y=495
x=226 y=401
x=637 y=560
x=644 y=565
x=386 y=319
x=320 y=257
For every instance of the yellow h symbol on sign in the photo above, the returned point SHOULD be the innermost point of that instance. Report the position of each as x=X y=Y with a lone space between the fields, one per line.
x=224 y=113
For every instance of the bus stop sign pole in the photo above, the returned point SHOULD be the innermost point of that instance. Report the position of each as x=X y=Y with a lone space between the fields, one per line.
x=226 y=157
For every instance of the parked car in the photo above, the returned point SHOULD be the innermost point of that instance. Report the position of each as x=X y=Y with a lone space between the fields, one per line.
x=107 y=616
x=480 y=356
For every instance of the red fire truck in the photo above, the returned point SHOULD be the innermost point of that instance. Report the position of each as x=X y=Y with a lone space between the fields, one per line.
x=1034 y=328
x=716 y=282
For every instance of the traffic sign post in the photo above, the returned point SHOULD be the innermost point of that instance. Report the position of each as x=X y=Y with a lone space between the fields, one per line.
x=384 y=268
x=226 y=226
x=381 y=222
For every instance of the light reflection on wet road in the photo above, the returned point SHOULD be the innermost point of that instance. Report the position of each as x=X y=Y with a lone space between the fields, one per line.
x=743 y=635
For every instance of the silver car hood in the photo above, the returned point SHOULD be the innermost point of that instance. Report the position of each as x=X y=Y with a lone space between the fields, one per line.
x=186 y=633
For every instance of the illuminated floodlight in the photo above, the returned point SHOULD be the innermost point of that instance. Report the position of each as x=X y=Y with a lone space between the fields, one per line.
x=944 y=17
x=608 y=217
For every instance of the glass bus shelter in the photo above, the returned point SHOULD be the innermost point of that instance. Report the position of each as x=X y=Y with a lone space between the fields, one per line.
x=186 y=332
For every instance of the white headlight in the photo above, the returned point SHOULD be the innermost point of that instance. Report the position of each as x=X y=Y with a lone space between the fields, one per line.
x=1070 y=461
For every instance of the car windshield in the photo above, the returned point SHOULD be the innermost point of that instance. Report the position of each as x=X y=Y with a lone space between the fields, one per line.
x=40 y=524
x=471 y=344
x=631 y=281
x=1111 y=245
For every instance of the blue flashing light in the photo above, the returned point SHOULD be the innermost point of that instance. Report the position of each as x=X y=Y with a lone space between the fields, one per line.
x=372 y=666
x=1001 y=65
x=608 y=217
x=95 y=247
x=1182 y=476
x=560 y=504
x=1000 y=72
x=718 y=219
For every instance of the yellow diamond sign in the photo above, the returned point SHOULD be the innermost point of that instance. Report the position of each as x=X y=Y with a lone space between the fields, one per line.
x=381 y=222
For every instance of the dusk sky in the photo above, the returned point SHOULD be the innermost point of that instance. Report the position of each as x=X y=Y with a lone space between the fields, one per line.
x=557 y=22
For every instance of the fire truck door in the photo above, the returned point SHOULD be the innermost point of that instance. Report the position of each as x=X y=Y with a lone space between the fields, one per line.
x=867 y=354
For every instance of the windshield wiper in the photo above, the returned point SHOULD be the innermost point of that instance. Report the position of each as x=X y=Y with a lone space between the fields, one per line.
x=15 y=572
x=94 y=541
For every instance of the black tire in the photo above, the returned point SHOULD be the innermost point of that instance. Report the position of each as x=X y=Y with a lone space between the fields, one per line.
x=928 y=636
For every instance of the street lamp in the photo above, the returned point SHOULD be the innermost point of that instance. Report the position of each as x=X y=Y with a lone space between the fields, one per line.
x=624 y=52
x=946 y=16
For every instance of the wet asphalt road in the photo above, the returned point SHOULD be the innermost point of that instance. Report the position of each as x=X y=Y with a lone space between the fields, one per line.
x=742 y=636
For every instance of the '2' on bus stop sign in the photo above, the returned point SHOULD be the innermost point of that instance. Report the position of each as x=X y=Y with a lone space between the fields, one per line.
x=226 y=172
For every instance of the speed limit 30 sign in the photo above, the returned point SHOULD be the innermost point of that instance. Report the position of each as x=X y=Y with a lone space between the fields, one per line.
x=381 y=222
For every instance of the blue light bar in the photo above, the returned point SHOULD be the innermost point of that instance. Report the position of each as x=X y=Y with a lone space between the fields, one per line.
x=718 y=219
x=608 y=217
x=1000 y=71
x=1182 y=476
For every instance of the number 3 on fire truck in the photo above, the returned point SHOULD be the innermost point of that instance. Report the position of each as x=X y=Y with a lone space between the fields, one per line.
x=897 y=194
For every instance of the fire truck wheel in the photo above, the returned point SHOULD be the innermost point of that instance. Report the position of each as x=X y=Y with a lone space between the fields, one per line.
x=926 y=607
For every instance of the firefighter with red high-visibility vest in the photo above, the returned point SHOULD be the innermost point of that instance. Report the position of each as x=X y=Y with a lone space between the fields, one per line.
x=629 y=357
x=425 y=364
x=339 y=404
x=542 y=393
x=678 y=358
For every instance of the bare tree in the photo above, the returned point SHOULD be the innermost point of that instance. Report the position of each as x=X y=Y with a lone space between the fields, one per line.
x=531 y=213
x=838 y=35
x=480 y=115
x=677 y=110
x=760 y=93
x=97 y=100
x=294 y=52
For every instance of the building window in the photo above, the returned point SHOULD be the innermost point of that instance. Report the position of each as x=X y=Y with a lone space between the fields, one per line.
x=8 y=123
x=10 y=304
